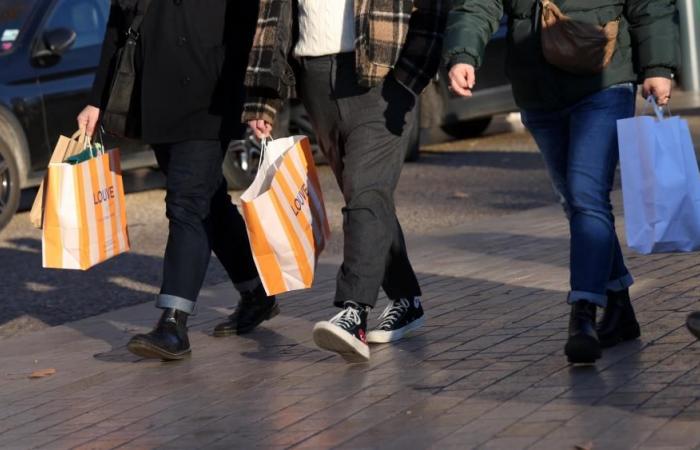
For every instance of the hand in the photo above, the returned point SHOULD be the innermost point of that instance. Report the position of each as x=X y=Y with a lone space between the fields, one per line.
x=462 y=79
x=88 y=120
x=261 y=128
x=659 y=87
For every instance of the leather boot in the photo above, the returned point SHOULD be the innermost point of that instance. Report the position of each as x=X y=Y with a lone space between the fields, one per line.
x=168 y=340
x=254 y=308
x=619 y=322
x=693 y=323
x=582 y=346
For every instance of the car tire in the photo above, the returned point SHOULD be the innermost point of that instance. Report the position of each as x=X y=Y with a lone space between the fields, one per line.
x=10 y=190
x=241 y=162
x=413 y=149
x=467 y=129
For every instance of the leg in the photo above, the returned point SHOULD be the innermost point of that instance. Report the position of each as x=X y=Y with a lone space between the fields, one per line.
x=596 y=258
x=229 y=240
x=375 y=143
x=193 y=172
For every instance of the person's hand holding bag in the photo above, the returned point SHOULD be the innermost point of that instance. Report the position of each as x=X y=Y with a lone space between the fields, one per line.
x=88 y=119
x=659 y=87
x=261 y=128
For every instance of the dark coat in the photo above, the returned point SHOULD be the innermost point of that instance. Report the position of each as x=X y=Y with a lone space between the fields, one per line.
x=191 y=65
x=647 y=45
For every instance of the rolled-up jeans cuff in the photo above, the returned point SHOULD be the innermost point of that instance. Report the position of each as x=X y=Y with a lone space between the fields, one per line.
x=621 y=283
x=247 y=286
x=598 y=299
x=166 y=301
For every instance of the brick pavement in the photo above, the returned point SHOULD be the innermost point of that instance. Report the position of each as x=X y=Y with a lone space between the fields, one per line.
x=488 y=370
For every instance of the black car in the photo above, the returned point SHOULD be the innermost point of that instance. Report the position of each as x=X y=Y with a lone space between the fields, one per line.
x=49 y=51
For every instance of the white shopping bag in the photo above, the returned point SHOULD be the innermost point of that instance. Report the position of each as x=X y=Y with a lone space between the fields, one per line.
x=660 y=183
x=285 y=215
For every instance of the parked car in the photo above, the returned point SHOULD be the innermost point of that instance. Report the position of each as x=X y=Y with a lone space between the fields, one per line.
x=49 y=52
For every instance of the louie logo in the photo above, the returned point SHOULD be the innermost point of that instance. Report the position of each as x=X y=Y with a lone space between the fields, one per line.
x=103 y=195
x=300 y=199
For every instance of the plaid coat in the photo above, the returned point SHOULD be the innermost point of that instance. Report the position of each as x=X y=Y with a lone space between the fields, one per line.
x=403 y=36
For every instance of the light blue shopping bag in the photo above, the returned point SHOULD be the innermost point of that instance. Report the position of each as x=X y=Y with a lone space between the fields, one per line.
x=660 y=183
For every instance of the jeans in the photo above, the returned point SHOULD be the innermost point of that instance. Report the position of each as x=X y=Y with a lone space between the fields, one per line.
x=201 y=219
x=579 y=146
x=363 y=132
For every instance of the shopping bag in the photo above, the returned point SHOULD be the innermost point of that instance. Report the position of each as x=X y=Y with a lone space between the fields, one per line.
x=65 y=148
x=660 y=184
x=84 y=213
x=285 y=215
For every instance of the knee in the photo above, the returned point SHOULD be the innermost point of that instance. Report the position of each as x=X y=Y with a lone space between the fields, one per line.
x=592 y=203
x=182 y=207
x=374 y=199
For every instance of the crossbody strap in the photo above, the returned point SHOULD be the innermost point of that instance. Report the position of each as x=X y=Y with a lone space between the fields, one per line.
x=133 y=33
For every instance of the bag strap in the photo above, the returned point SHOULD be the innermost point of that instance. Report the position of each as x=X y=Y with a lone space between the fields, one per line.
x=133 y=33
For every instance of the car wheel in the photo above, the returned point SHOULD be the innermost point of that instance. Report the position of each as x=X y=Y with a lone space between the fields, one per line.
x=468 y=128
x=413 y=150
x=241 y=162
x=10 y=190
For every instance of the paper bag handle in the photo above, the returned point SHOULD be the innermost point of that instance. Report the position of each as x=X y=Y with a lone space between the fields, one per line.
x=658 y=110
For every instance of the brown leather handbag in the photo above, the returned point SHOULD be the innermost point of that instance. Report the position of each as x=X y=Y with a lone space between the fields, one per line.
x=577 y=47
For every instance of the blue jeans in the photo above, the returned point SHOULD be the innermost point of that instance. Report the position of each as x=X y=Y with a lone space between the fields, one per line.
x=580 y=149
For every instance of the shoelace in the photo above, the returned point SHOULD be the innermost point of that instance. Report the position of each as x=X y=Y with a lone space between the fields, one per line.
x=347 y=318
x=393 y=312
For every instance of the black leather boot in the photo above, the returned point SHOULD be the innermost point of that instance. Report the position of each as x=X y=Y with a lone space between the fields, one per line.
x=619 y=322
x=583 y=346
x=254 y=308
x=168 y=341
x=693 y=323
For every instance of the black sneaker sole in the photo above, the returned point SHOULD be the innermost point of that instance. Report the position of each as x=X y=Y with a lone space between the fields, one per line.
x=145 y=349
x=582 y=349
x=334 y=339
x=629 y=333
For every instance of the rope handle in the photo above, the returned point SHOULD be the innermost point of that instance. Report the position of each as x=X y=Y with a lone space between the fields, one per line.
x=658 y=110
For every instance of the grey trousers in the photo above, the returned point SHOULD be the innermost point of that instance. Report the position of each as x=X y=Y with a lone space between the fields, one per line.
x=363 y=132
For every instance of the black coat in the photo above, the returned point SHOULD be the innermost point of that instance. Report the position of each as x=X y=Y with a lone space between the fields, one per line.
x=191 y=64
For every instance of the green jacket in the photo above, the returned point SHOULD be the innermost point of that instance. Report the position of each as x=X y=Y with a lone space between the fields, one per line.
x=647 y=46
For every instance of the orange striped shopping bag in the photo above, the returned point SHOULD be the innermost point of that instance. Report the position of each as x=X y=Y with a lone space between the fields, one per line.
x=285 y=215
x=85 y=213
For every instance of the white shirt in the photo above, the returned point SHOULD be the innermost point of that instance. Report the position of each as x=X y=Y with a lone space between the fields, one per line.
x=326 y=27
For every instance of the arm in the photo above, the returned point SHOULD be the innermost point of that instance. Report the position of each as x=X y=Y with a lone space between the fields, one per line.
x=269 y=79
x=420 y=54
x=90 y=115
x=116 y=27
x=470 y=25
x=656 y=44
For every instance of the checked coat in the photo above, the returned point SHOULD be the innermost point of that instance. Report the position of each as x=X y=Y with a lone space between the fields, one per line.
x=403 y=36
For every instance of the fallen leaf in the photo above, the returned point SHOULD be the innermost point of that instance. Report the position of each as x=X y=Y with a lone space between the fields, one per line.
x=460 y=194
x=43 y=373
x=587 y=446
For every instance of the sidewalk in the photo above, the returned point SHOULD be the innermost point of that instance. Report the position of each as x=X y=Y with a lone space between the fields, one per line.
x=487 y=371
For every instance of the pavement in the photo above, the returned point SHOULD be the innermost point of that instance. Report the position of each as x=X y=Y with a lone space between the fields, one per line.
x=493 y=175
x=487 y=371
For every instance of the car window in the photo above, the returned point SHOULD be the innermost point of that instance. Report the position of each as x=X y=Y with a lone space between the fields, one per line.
x=13 y=19
x=88 y=18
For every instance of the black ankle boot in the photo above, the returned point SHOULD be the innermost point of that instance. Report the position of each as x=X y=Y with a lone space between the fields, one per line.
x=619 y=322
x=254 y=307
x=168 y=341
x=583 y=345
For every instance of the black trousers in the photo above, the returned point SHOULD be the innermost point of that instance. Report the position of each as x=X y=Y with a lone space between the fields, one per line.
x=363 y=133
x=201 y=219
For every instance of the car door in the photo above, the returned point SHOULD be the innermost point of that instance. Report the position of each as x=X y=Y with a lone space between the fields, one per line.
x=66 y=80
